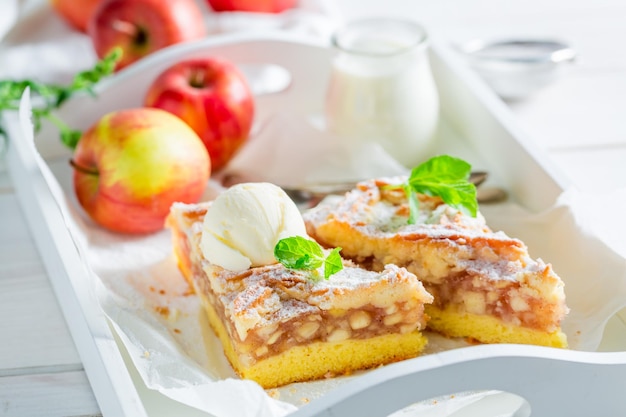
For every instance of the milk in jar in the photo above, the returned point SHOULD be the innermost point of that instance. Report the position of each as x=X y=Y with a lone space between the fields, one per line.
x=381 y=88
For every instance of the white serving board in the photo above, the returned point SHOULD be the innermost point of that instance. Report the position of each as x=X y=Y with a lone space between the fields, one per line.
x=475 y=125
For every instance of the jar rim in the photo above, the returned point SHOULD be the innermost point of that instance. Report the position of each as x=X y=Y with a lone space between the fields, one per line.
x=393 y=36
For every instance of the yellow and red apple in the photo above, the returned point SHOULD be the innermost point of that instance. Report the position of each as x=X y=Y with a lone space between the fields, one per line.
x=263 y=6
x=131 y=165
x=141 y=27
x=75 y=12
x=213 y=97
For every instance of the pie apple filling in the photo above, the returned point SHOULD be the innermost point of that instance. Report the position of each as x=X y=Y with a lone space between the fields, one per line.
x=519 y=306
x=516 y=294
x=269 y=310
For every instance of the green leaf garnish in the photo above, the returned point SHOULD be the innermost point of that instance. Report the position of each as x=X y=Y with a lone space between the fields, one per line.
x=445 y=177
x=297 y=252
x=49 y=97
x=333 y=263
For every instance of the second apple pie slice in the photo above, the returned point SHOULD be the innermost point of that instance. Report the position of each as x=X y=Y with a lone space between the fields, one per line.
x=486 y=287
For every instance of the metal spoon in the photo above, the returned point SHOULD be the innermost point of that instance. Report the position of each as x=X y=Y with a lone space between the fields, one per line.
x=310 y=194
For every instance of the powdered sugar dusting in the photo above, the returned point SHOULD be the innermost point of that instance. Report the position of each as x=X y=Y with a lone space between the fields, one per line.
x=274 y=294
x=378 y=212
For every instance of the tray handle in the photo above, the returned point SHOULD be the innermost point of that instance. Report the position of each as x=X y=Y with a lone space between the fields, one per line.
x=554 y=382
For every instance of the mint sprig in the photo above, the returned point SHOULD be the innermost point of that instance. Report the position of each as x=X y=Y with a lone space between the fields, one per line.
x=49 y=97
x=297 y=252
x=445 y=177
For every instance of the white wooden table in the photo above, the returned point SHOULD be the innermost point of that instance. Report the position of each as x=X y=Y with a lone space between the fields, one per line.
x=580 y=120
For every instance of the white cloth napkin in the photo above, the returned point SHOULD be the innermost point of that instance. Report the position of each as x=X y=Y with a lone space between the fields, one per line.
x=310 y=17
x=37 y=44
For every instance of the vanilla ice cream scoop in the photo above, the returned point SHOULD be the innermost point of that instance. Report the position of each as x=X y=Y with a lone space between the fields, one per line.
x=245 y=222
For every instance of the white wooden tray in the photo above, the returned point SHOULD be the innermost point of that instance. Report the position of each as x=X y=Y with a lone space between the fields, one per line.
x=475 y=125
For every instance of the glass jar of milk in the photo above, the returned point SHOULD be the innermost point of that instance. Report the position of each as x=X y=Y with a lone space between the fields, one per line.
x=382 y=89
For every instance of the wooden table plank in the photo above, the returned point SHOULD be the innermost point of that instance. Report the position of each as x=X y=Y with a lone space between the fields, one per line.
x=65 y=394
x=34 y=333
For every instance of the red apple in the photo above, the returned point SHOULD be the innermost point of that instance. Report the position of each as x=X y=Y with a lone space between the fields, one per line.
x=75 y=12
x=265 y=6
x=211 y=96
x=141 y=27
x=131 y=165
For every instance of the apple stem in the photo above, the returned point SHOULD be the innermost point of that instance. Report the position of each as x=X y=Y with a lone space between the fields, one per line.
x=197 y=78
x=83 y=169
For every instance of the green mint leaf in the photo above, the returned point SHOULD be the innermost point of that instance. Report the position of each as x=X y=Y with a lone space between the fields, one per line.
x=61 y=98
x=49 y=97
x=446 y=177
x=71 y=137
x=86 y=80
x=333 y=263
x=297 y=252
x=413 y=204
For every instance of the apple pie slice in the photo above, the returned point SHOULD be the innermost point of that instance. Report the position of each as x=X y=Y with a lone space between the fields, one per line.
x=485 y=285
x=279 y=326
